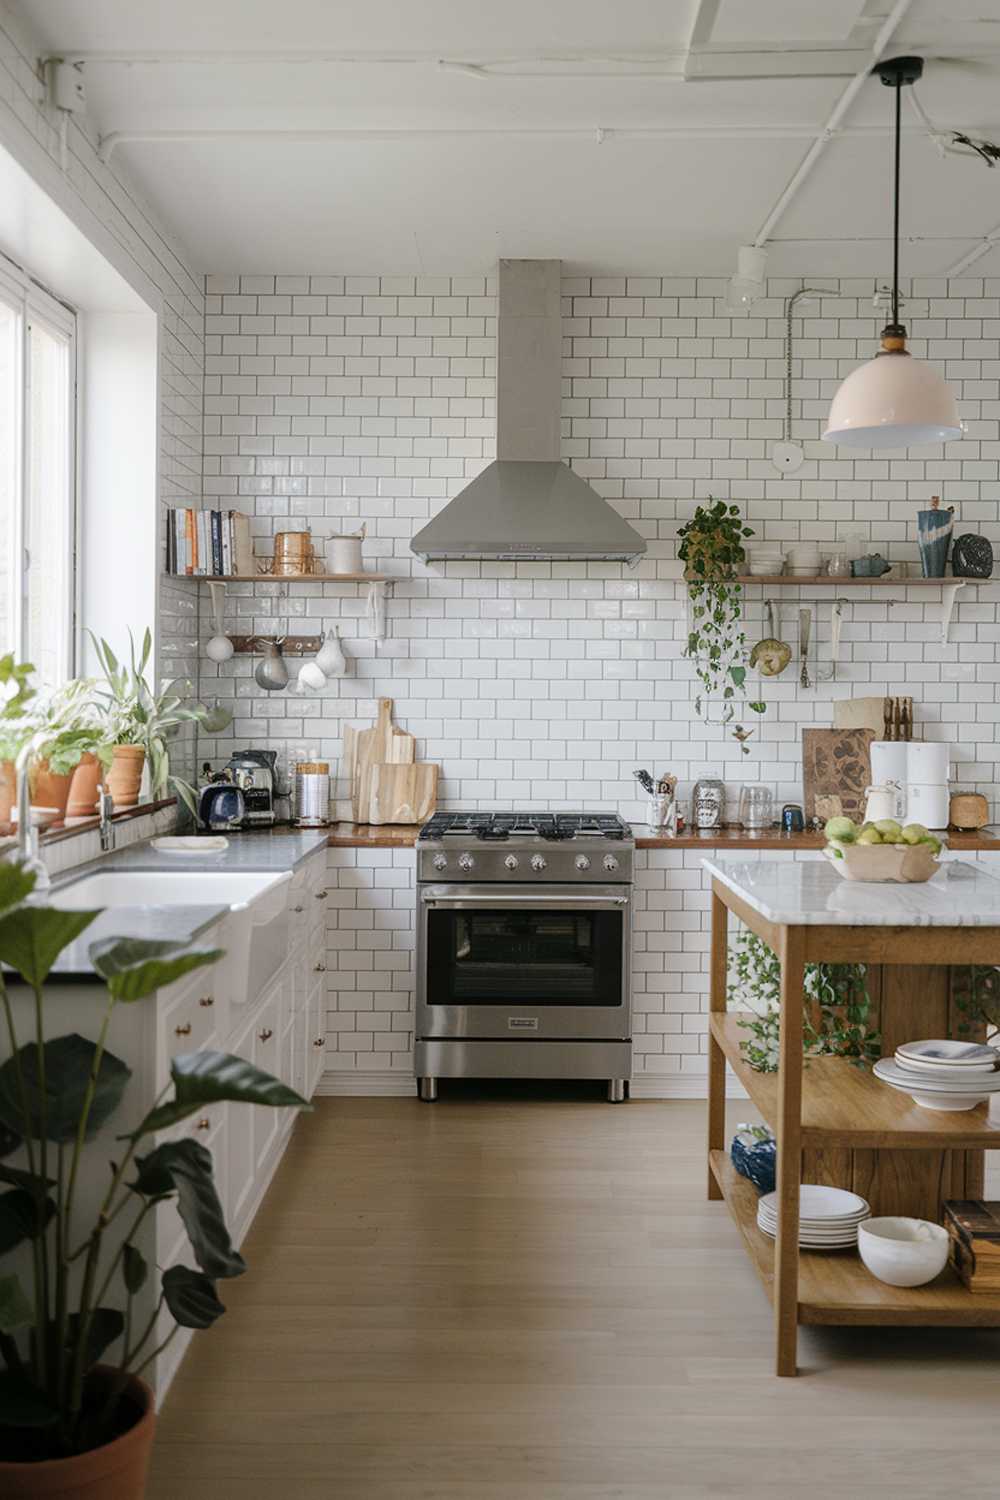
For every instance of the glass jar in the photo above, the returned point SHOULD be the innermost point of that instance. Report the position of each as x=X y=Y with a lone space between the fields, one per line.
x=756 y=807
x=707 y=802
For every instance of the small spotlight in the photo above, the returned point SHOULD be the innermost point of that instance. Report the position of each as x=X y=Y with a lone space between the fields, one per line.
x=748 y=284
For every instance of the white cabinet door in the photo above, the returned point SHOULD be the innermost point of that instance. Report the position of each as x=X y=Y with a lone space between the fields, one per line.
x=240 y=1146
x=315 y=1036
x=268 y=1030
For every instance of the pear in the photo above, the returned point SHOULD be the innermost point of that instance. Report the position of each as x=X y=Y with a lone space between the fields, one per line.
x=914 y=833
x=889 y=829
x=843 y=829
x=869 y=835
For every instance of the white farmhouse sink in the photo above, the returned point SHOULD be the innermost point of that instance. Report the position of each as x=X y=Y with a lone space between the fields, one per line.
x=255 y=933
x=166 y=888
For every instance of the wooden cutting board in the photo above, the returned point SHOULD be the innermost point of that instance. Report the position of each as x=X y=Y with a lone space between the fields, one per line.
x=836 y=763
x=385 y=779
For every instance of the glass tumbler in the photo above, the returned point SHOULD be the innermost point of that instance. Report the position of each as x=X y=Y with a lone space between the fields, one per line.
x=756 y=807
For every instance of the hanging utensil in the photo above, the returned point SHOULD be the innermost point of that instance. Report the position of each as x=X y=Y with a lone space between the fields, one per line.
x=771 y=655
x=271 y=673
x=645 y=781
x=805 y=627
x=220 y=647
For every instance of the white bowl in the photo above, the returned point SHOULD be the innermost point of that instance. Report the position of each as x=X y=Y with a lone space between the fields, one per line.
x=903 y=1252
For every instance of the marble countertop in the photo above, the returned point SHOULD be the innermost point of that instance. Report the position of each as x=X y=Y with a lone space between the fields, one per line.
x=277 y=849
x=812 y=894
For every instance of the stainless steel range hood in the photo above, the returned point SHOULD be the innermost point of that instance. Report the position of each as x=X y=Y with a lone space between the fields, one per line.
x=527 y=505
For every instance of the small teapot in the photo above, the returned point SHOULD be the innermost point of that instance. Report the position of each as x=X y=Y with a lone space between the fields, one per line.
x=872 y=566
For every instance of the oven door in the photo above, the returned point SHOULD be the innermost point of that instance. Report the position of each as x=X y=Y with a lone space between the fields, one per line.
x=495 y=962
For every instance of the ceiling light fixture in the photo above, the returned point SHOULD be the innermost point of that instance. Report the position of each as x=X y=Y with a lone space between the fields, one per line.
x=894 y=401
x=747 y=285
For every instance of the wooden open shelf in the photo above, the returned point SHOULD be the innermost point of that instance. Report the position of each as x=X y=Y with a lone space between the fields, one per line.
x=834 y=1285
x=778 y=580
x=843 y=1105
x=287 y=577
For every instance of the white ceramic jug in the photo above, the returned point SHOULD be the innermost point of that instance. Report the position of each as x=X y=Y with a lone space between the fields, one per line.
x=343 y=553
x=884 y=801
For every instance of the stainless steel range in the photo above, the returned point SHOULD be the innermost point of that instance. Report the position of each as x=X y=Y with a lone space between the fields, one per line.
x=524 y=926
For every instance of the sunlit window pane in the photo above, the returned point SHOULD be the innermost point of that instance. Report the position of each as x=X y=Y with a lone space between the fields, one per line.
x=48 y=519
x=9 y=488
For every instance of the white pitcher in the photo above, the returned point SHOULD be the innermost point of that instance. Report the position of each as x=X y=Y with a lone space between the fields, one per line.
x=343 y=553
x=884 y=801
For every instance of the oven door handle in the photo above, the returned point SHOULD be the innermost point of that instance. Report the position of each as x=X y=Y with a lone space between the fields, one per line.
x=456 y=903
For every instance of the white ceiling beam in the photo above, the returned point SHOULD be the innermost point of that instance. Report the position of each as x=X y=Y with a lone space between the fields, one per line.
x=830 y=129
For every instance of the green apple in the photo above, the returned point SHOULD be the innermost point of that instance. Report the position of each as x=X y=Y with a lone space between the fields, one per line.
x=914 y=833
x=932 y=843
x=889 y=829
x=843 y=829
x=869 y=835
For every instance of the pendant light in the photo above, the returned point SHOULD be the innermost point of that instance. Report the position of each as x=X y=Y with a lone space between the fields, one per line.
x=895 y=400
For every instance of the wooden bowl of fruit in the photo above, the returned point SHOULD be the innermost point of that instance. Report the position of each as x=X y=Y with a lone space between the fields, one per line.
x=882 y=852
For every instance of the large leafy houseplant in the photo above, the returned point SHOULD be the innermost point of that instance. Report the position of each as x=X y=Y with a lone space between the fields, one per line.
x=712 y=546
x=58 y=1318
x=65 y=724
x=138 y=715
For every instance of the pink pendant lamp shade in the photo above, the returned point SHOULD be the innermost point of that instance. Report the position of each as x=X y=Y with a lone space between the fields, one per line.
x=893 y=401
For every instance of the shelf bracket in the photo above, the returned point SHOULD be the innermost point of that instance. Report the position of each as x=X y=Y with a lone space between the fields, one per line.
x=948 y=595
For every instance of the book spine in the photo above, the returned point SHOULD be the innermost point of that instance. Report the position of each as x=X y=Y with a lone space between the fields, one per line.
x=204 y=544
x=227 y=546
x=216 y=519
x=189 y=543
x=170 y=540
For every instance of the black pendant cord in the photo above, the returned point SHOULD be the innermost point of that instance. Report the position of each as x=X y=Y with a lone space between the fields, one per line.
x=895 y=206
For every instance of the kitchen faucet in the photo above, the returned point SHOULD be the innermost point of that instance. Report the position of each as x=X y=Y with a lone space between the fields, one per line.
x=105 y=807
x=27 y=854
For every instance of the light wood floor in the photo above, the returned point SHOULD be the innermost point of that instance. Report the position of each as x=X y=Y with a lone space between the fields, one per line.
x=531 y=1300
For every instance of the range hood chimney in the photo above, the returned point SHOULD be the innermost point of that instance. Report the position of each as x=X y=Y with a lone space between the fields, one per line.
x=528 y=505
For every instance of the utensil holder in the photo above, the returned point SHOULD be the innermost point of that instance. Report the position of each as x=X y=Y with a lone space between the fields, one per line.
x=662 y=814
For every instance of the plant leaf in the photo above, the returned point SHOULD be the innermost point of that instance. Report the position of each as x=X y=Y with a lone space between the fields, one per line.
x=20 y=1212
x=32 y=938
x=21 y=1405
x=68 y=1061
x=106 y=1323
x=30 y=1180
x=16 y=885
x=208 y=1077
x=190 y=1296
x=137 y=967
x=134 y=1269
x=9 y=1142
x=15 y=1309
x=185 y=1167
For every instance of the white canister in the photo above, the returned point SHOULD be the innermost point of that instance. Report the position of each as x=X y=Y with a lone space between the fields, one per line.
x=889 y=762
x=885 y=800
x=343 y=553
x=927 y=804
x=928 y=762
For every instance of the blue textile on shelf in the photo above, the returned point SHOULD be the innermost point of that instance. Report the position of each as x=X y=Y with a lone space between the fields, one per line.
x=755 y=1159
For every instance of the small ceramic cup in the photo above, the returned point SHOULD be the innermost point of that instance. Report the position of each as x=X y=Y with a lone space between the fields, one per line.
x=903 y=1252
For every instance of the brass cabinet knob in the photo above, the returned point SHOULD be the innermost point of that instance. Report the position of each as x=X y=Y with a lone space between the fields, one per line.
x=319 y=968
x=206 y=1001
x=298 y=908
x=184 y=1030
x=204 y=1123
x=266 y=1034
x=320 y=1041
x=321 y=895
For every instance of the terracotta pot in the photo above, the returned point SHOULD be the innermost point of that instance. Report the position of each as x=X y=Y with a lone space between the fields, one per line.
x=117 y=1471
x=83 y=788
x=126 y=774
x=48 y=789
x=8 y=789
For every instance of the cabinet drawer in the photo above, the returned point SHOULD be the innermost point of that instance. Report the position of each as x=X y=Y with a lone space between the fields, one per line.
x=209 y=1128
x=187 y=1023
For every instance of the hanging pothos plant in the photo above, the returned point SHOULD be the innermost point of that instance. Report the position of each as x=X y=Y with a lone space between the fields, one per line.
x=712 y=548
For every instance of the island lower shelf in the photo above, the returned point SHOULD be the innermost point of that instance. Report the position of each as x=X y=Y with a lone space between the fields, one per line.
x=845 y=1105
x=835 y=1287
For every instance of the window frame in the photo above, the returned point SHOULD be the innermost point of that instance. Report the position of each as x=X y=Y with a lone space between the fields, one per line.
x=34 y=304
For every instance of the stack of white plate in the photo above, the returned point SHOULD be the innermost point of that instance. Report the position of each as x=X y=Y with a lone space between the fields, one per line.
x=828 y=1216
x=942 y=1075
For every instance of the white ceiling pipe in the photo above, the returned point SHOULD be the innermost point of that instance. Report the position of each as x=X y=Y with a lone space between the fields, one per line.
x=984 y=246
x=830 y=129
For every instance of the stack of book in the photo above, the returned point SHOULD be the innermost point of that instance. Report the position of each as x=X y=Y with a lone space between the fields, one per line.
x=209 y=543
x=974 y=1226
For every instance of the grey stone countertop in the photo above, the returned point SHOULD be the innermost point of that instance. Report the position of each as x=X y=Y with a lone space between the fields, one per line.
x=255 y=852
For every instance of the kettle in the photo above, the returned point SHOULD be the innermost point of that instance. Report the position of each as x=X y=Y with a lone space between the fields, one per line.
x=884 y=801
x=221 y=807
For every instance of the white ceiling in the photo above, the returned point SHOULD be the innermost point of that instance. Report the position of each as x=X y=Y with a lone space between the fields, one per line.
x=425 y=168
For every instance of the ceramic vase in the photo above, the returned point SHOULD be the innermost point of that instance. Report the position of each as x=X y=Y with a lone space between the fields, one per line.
x=125 y=776
x=8 y=789
x=82 y=801
x=115 y=1471
x=934 y=538
x=48 y=789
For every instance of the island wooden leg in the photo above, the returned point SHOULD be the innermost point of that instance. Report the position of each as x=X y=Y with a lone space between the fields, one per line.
x=789 y=1138
x=718 y=975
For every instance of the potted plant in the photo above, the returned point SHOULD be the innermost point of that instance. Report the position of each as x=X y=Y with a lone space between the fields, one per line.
x=76 y=1418
x=15 y=694
x=712 y=548
x=141 y=722
x=67 y=745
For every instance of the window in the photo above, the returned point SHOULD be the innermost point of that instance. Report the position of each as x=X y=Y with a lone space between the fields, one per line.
x=37 y=477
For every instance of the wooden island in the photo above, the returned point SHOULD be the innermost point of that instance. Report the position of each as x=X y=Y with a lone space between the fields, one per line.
x=835 y=1122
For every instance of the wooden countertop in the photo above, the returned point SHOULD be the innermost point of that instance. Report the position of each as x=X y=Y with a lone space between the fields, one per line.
x=404 y=836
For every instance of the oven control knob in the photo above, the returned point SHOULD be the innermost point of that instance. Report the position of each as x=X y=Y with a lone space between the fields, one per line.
x=538 y=861
x=582 y=862
x=610 y=863
x=440 y=862
x=465 y=861
x=510 y=863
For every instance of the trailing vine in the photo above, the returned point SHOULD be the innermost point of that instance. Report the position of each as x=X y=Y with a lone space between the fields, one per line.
x=836 y=1007
x=712 y=548
x=976 y=990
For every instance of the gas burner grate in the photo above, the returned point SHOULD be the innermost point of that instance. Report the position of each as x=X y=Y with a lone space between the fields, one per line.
x=591 y=825
x=495 y=827
x=446 y=825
